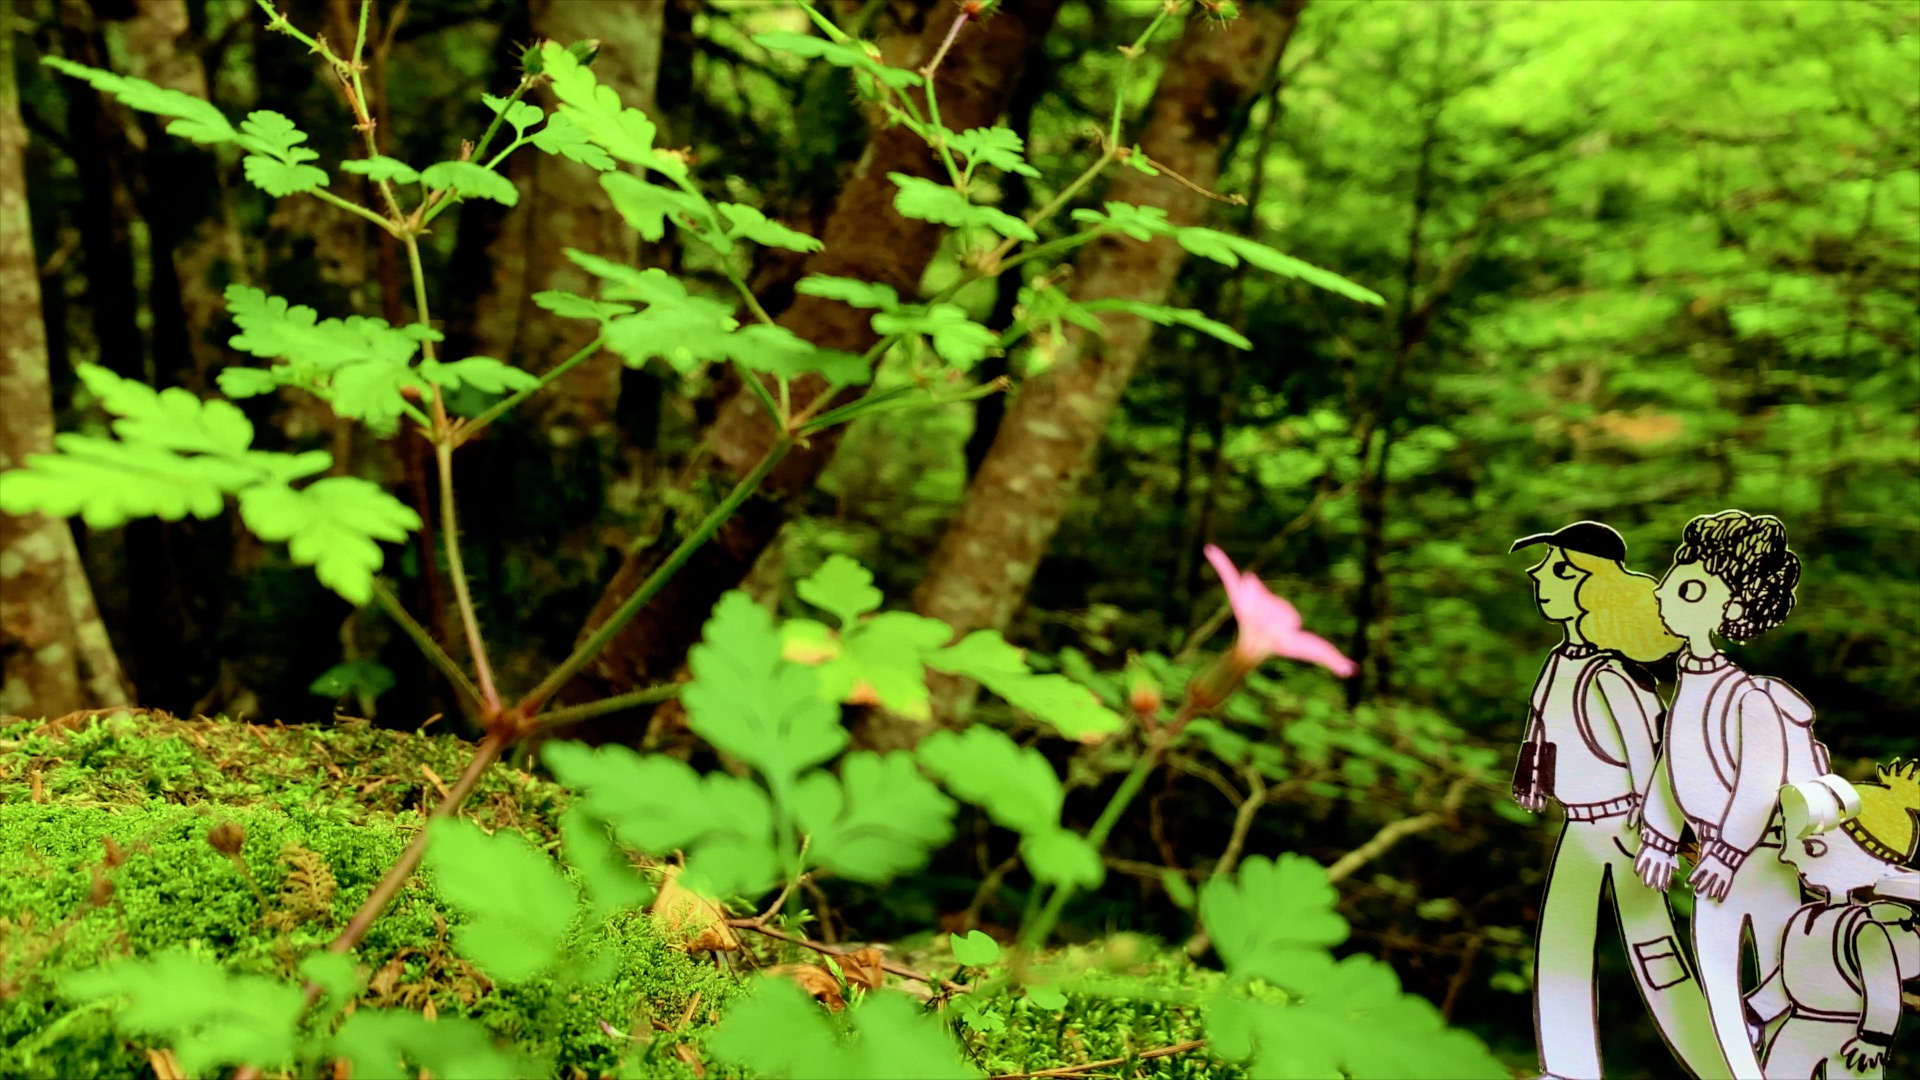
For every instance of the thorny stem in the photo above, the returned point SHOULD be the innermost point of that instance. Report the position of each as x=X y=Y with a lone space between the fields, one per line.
x=933 y=103
x=462 y=592
x=584 y=654
x=650 y=696
x=466 y=430
x=435 y=655
x=520 y=91
x=330 y=198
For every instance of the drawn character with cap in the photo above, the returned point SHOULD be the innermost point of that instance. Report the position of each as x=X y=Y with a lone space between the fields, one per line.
x=1837 y=982
x=1732 y=741
x=1590 y=747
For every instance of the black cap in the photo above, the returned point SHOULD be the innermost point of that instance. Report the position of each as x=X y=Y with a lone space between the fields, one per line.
x=1585 y=537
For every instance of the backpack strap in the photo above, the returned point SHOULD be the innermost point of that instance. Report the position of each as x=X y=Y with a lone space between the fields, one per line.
x=1723 y=693
x=1582 y=687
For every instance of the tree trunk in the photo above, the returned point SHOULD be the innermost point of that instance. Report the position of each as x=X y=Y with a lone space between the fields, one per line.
x=980 y=572
x=865 y=239
x=54 y=653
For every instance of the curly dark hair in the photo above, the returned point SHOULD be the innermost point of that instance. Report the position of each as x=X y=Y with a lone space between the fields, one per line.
x=1749 y=553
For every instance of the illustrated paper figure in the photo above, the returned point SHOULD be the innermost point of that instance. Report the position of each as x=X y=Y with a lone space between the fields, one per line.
x=1590 y=747
x=1732 y=741
x=1837 y=983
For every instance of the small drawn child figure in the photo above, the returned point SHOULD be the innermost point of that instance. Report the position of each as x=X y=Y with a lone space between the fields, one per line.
x=1590 y=747
x=1732 y=741
x=1838 y=979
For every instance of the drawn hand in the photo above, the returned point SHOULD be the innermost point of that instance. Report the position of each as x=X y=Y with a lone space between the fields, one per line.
x=1655 y=868
x=1712 y=878
x=1862 y=1055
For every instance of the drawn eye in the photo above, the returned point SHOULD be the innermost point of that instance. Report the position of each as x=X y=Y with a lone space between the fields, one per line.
x=1692 y=590
x=1816 y=848
x=1564 y=571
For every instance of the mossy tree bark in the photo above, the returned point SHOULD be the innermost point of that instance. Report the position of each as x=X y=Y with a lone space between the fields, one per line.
x=866 y=239
x=54 y=652
x=985 y=562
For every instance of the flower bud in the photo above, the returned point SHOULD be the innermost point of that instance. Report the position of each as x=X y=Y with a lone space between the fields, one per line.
x=227 y=838
x=1143 y=694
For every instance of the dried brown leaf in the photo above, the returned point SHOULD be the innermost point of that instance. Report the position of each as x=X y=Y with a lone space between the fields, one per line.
x=692 y=1057
x=862 y=967
x=816 y=980
x=165 y=1065
x=697 y=921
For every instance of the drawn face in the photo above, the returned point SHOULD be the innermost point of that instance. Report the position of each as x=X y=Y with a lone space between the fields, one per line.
x=1832 y=863
x=1556 y=581
x=1693 y=603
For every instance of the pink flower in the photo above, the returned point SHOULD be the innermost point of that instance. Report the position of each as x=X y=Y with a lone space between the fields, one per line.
x=1269 y=626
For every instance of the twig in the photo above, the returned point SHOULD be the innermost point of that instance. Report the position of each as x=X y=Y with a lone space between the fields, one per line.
x=1394 y=832
x=757 y=927
x=1077 y=1070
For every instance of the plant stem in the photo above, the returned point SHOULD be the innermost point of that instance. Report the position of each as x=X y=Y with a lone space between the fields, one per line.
x=435 y=655
x=462 y=593
x=867 y=407
x=467 y=429
x=530 y=704
x=520 y=91
x=939 y=131
x=649 y=696
x=753 y=302
x=326 y=196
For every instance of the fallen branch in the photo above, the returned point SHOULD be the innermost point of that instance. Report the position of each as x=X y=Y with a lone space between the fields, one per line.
x=1077 y=1070
x=758 y=927
x=1394 y=832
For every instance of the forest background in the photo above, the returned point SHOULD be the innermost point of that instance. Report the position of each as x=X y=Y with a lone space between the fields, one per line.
x=1641 y=261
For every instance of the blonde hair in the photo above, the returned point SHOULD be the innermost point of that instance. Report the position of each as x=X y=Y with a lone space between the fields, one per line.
x=1889 y=815
x=1618 y=610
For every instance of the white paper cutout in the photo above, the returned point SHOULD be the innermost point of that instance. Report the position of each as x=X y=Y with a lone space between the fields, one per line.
x=1590 y=747
x=1832 y=997
x=1731 y=743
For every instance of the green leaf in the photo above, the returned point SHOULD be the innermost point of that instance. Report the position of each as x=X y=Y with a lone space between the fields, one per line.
x=1014 y=785
x=196 y=119
x=469 y=178
x=842 y=588
x=887 y=654
x=519 y=115
x=1179 y=889
x=660 y=805
x=1046 y=997
x=999 y=147
x=878 y=821
x=958 y=339
x=986 y=658
x=1230 y=249
x=974 y=949
x=685 y=331
x=331 y=525
x=778 y=1033
x=563 y=138
x=748 y=702
x=365 y=678
x=277 y=165
x=1059 y=857
x=401 y=1042
x=856 y=55
x=1140 y=222
x=777 y=350
x=382 y=168
x=519 y=905
x=1270 y=914
x=209 y=1018
x=596 y=111
x=754 y=225
x=482 y=373
x=280 y=179
x=925 y=200
x=611 y=882
x=569 y=306
x=648 y=207
x=325 y=355
x=864 y=294
x=1172 y=316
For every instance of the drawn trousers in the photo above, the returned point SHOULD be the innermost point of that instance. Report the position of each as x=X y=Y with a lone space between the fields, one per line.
x=1804 y=1043
x=1764 y=895
x=1593 y=857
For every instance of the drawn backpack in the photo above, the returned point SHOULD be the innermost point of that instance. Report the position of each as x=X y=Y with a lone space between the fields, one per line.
x=1807 y=756
x=1643 y=692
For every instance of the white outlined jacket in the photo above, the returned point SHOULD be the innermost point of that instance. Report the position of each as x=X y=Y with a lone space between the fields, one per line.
x=1600 y=724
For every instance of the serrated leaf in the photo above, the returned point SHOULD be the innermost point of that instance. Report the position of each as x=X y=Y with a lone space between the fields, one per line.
x=1172 y=316
x=880 y=819
x=748 y=701
x=331 y=525
x=648 y=207
x=280 y=179
x=596 y=111
x=611 y=882
x=754 y=225
x=518 y=904
x=381 y=168
x=1230 y=249
x=569 y=306
x=1014 y=785
x=1264 y=918
x=777 y=350
x=973 y=948
x=1071 y=709
x=864 y=294
x=958 y=339
x=482 y=373
x=401 y=1042
x=684 y=330
x=563 y=138
x=883 y=659
x=842 y=588
x=847 y=55
x=779 y=1033
x=207 y=1016
x=999 y=147
x=276 y=165
x=925 y=200
x=196 y=118
x=1058 y=857
x=1139 y=222
x=469 y=178
x=322 y=354
x=519 y=115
